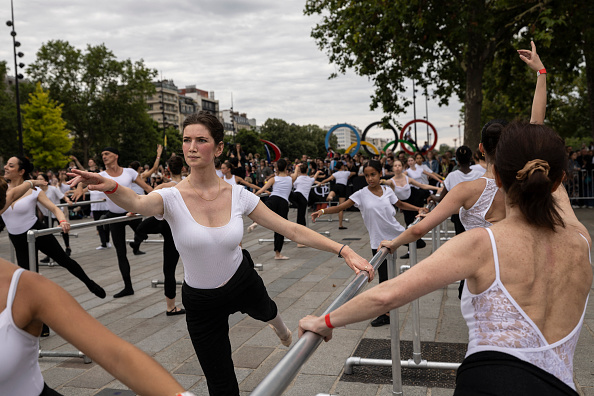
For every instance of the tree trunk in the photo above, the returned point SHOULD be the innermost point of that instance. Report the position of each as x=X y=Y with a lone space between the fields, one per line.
x=589 y=55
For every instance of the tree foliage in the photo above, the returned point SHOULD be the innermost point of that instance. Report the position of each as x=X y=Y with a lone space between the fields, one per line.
x=448 y=44
x=295 y=140
x=103 y=98
x=45 y=137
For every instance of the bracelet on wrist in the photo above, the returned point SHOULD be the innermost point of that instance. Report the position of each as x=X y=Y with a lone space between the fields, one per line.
x=322 y=210
x=327 y=320
x=114 y=189
x=63 y=221
x=31 y=183
x=340 y=251
x=541 y=71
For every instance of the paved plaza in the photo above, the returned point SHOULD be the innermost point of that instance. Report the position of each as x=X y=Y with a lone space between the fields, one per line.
x=305 y=284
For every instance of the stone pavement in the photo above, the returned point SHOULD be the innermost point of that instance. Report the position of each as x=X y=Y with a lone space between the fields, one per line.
x=305 y=284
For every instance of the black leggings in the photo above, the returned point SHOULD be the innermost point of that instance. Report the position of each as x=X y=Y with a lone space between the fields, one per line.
x=279 y=206
x=118 y=236
x=150 y=225
x=207 y=317
x=382 y=270
x=299 y=200
x=48 y=245
x=103 y=230
x=65 y=237
x=47 y=391
x=496 y=373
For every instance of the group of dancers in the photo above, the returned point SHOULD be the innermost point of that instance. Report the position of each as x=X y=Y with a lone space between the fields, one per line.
x=518 y=205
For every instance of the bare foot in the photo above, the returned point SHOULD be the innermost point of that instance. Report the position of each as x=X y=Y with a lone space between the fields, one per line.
x=299 y=245
x=252 y=227
x=285 y=341
x=281 y=257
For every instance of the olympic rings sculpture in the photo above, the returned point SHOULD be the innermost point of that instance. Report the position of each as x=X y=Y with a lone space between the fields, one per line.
x=412 y=122
x=400 y=141
x=275 y=149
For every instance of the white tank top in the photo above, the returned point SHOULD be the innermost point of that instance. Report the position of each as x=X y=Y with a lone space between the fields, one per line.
x=20 y=216
x=303 y=185
x=211 y=255
x=230 y=180
x=402 y=193
x=475 y=216
x=497 y=323
x=19 y=352
x=416 y=174
x=282 y=187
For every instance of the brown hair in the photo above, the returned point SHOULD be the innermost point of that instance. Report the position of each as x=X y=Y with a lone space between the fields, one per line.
x=3 y=188
x=209 y=121
x=523 y=154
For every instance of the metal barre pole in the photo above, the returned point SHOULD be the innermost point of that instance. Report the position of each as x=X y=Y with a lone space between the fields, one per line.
x=283 y=373
x=81 y=203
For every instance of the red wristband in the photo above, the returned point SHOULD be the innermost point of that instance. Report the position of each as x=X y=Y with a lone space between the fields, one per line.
x=327 y=319
x=541 y=71
x=61 y=221
x=114 y=189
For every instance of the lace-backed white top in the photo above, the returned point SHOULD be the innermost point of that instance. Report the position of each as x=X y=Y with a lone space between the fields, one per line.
x=475 y=216
x=402 y=192
x=497 y=323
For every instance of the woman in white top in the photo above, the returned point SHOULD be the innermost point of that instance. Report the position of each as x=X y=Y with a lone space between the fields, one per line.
x=278 y=202
x=27 y=300
x=377 y=205
x=417 y=170
x=302 y=184
x=340 y=188
x=21 y=217
x=206 y=218
x=527 y=278
x=230 y=178
x=479 y=162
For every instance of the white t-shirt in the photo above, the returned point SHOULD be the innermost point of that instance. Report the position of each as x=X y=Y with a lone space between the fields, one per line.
x=418 y=174
x=378 y=214
x=341 y=177
x=478 y=168
x=211 y=255
x=219 y=172
x=20 y=216
x=458 y=176
x=65 y=188
x=137 y=189
x=282 y=187
x=96 y=196
x=55 y=195
x=302 y=184
x=126 y=179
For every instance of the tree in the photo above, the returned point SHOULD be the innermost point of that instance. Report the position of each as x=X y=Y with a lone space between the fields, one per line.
x=447 y=44
x=104 y=99
x=295 y=140
x=45 y=136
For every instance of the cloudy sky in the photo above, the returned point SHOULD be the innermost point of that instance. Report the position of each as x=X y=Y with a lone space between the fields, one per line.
x=257 y=51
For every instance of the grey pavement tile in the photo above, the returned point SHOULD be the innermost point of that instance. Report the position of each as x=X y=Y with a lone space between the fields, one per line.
x=177 y=353
x=355 y=389
x=308 y=384
x=257 y=375
x=95 y=377
x=191 y=367
x=240 y=334
x=281 y=284
x=58 y=376
x=330 y=357
x=441 y=392
x=77 y=391
x=250 y=356
x=386 y=390
x=187 y=381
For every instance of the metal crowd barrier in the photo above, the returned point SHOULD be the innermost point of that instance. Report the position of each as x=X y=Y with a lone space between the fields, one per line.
x=580 y=187
x=32 y=236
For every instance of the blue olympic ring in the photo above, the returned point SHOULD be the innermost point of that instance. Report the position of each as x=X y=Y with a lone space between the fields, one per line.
x=335 y=127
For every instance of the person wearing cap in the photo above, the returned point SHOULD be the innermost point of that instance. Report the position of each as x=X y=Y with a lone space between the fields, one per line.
x=124 y=177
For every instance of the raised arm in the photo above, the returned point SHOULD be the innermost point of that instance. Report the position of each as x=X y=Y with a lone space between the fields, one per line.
x=149 y=172
x=140 y=181
x=265 y=187
x=15 y=193
x=126 y=198
x=45 y=201
x=73 y=158
x=244 y=182
x=539 y=103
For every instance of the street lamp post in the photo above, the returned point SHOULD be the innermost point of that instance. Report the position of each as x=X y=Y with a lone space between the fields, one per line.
x=17 y=76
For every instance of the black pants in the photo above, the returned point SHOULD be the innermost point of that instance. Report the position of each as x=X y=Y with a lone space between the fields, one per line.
x=417 y=198
x=118 y=237
x=207 y=317
x=50 y=224
x=495 y=373
x=299 y=200
x=279 y=206
x=103 y=230
x=382 y=270
x=150 y=225
x=47 y=391
x=50 y=246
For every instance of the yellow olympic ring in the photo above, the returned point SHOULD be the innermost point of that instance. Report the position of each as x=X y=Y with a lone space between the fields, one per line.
x=364 y=143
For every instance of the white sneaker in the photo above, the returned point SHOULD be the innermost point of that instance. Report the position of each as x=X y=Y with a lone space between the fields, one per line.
x=108 y=245
x=101 y=247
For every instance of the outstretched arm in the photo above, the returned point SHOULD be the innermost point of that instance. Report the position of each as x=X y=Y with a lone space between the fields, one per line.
x=126 y=198
x=539 y=103
x=265 y=187
x=332 y=209
x=15 y=193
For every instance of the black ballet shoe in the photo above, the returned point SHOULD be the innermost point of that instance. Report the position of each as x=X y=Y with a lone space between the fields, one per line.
x=135 y=249
x=45 y=260
x=421 y=244
x=124 y=293
x=406 y=256
x=97 y=290
x=45 y=331
x=68 y=251
x=175 y=311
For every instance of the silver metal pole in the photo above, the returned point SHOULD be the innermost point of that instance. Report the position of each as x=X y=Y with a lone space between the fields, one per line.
x=357 y=361
x=31 y=236
x=395 y=335
x=282 y=374
x=81 y=203
x=416 y=319
x=77 y=354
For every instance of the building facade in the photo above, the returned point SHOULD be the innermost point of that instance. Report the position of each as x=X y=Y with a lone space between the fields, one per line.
x=345 y=136
x=164 y=106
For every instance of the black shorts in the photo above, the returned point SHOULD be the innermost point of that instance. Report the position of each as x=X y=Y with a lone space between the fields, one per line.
x=339 y=190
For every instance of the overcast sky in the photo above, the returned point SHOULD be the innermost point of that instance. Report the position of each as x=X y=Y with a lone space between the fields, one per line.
x=259 y=51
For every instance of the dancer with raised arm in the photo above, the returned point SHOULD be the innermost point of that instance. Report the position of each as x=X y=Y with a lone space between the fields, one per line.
x=206 y=218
